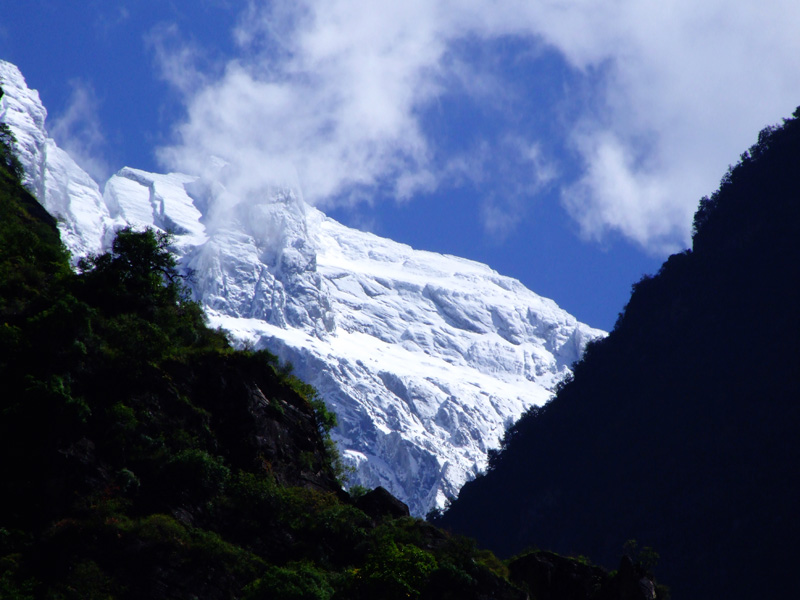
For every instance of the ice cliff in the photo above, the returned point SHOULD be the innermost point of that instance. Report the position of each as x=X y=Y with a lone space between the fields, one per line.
x=425 y=358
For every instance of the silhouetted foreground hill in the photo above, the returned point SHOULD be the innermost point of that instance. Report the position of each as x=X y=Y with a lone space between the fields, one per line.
x=142 y=457
x=681 y=429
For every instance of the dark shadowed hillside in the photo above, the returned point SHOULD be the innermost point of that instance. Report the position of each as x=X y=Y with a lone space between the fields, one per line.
x=679 y=430
x=142 y=457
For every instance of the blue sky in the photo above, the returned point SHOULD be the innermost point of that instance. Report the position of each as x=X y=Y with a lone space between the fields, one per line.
x=565 y=143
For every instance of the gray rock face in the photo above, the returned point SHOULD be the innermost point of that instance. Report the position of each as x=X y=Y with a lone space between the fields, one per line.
x=425 y=358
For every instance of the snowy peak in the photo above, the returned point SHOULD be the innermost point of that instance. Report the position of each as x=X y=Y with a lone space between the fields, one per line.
x=21 y=109
x=144 y=199
x=261 y=262
x=51 y=175
x=425 y=358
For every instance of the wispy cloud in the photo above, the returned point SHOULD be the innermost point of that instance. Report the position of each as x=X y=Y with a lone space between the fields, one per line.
x=181 y=62
x=111 y=19
x=519 y=170
x=331 y=97
x=685 y=90
x=77 y=129
x=316 y=102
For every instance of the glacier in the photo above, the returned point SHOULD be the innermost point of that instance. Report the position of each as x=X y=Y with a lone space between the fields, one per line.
x=425 y=358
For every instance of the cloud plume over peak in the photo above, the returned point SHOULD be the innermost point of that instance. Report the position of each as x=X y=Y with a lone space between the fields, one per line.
x=333 y=97
x=77 y=129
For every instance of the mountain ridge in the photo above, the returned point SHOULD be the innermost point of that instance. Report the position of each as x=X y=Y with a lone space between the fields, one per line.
x=143 y=457
x=425 y=358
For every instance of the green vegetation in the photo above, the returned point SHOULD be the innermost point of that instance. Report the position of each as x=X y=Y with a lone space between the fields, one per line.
x=143 y=457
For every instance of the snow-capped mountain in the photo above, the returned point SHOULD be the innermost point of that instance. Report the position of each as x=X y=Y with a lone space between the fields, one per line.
x=425 y=358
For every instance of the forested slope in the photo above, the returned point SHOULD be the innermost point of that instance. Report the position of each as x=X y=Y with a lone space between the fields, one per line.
x=142 y=457
x=680 y=429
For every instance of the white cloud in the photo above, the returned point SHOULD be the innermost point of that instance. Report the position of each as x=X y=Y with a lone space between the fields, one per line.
x=688 y=89
x=519 y=171
x=179 y=61
x=78 y=131
x=330 y=95
x=613 y=195
x=334 y=112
